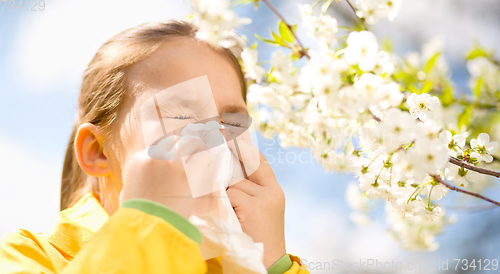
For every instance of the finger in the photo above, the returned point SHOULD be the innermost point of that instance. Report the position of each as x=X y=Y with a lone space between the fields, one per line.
x=237 y=197
x=246 y=152
x=262 y=173
x=246 y=186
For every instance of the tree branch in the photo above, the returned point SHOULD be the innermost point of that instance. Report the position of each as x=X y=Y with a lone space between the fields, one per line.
x=464 y=164
x=477 y=104
x=439 y=180
x=362 y=20
x=302 y=49
x=472 y=167
x=471 y=209
x=375 y=116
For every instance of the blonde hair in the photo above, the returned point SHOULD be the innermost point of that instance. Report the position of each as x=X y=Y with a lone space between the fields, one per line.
x=104 y=87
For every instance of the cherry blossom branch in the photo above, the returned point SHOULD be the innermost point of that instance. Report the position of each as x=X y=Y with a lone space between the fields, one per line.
x=472 y=167
x=471 y=209
x=439 y=180
x=461 y=163
x=476 y=104
x=363 y=24
x=302 y=49
x=375 y=116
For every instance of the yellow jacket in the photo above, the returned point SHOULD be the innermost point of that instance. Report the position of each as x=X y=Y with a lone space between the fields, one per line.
x=130 y=241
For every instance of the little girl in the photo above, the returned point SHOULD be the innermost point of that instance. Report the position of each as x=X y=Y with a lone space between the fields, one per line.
x=123 y=211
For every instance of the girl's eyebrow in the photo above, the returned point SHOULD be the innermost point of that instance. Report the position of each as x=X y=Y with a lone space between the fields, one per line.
x=189 y=102
x=234 y=109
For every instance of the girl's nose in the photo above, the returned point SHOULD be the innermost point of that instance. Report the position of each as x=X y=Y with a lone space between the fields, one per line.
x=223 y=131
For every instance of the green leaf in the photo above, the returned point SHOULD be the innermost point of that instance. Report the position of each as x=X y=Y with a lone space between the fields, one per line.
x=267 y=41
x=285 y=32
x=386 y=44
x=475 y=52
x=446 y=97
x=279 y=40
x=413 y=89
x=430 y=64
x=270 y=77
x=477 y=89
x=464 y=118
x=255 y=4
x=295 y=56
x=426 y=87
x=325 y=6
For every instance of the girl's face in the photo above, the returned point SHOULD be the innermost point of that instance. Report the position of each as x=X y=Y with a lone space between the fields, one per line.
x=178 y=60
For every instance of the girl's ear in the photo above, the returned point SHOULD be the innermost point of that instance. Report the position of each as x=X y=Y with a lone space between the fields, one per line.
x=90 y=151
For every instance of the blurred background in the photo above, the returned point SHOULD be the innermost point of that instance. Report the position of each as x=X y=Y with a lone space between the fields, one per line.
x=42 y=58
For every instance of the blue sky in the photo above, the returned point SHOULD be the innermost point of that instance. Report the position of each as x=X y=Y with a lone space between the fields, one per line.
x=43 y=55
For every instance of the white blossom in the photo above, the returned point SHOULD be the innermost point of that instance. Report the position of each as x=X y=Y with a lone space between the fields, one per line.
x=407 y=210
x=421 y=106
x=430 y=155
x=266 y=95
x=383 y=65
x=436 y=191
x=321 y=74
x=249 y=57
x=455 y=143
x=392 y=6
x=323 y=27
x=484 y=69
x=343 y=97
x=416 y=233
x=405 y=167
x=361 y=50
x=434 y=213
x=388 y=95
x=282 y=68
x=483 y=148
x=430 y=130
x=395 y=129
x=356 y=199
x=216 y=22
x=371 y=10
x=459 y=175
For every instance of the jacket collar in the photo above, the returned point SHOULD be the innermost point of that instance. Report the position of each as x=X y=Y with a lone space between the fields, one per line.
x=75 y=225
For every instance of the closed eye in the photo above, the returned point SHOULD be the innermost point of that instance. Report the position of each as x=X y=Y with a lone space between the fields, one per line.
x=182 y=117
x=188 y=117
x=231 y=124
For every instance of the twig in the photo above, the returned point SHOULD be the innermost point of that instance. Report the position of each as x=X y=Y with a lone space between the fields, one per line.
x=362 y=20
x=302 y=49
x=439 y=180
x=464 y=164
x=472 y=167
x=471 y=209
x=477 y=104
x=374 y=116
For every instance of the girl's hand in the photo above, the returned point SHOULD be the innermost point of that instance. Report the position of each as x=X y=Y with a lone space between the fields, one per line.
x=162 y=179
x=259 y=203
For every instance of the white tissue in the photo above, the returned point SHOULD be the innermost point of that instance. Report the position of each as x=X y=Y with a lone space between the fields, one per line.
x=213 y=213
